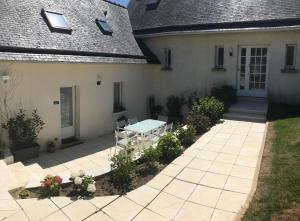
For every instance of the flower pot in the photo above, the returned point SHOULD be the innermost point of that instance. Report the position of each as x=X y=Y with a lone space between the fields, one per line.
x=26 y=153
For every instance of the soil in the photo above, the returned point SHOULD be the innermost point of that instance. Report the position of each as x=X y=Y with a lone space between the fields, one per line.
x=104 y=184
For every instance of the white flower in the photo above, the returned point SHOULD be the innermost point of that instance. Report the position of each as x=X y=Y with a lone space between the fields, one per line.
x=74 y=175
x=91 y=188
x=81 y=173
x=78 y=181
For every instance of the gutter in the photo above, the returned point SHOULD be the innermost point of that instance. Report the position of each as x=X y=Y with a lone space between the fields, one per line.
x=67 y=52
x=220 y=31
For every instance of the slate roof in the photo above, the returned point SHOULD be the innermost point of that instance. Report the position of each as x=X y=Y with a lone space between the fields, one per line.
x=24 y=35
x=186 y=15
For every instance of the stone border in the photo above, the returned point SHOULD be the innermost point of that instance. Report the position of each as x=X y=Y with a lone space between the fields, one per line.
x=256 y=176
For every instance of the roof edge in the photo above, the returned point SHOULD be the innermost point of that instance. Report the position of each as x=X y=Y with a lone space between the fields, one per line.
x=220 y=26
x=67 y=52
x=114 y=3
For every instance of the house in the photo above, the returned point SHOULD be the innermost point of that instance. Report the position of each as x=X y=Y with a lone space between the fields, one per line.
x=252 y=45
x=77 y=63
x=83 y=64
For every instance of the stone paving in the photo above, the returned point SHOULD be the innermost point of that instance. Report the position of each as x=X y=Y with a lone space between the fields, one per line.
x=212 y=181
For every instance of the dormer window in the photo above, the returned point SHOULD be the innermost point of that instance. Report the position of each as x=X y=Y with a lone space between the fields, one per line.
x=152 y=4
x=104 y=26
x=56 y=21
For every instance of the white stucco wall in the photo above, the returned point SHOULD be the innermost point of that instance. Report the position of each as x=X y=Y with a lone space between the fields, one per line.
x=193 y=59
x=39 y=85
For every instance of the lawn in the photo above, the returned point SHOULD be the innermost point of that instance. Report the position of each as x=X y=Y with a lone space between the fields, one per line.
x=278 y=192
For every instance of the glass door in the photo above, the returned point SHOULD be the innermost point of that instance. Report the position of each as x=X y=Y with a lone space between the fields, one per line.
x=67 y=112
x=253 y=70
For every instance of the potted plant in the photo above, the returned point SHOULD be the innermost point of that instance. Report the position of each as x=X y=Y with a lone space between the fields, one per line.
x=23 y=133
x=51 y=146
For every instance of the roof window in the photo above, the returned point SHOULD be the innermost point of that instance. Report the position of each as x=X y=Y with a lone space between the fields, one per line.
x=56 y=21
x=152 y=4
x=104 y=26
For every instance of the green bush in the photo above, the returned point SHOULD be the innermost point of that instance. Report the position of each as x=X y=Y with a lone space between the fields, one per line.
x=24 y=193
x=186 y=135
x=170 y=147
x=225 y=94
x=23 y=131
x=210 y=107
x=122 y=166
x=150 y=156
x=200 y=122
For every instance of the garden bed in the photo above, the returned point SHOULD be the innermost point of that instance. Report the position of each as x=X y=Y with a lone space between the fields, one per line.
x=104 y=183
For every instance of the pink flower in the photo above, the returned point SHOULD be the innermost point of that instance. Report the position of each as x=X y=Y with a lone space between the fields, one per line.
x=58 y=180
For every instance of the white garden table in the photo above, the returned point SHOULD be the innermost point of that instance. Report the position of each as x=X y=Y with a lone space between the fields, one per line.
x=145 y=127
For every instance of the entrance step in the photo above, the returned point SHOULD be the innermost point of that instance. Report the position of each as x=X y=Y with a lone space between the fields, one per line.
x=249 y=109
x=246 y=117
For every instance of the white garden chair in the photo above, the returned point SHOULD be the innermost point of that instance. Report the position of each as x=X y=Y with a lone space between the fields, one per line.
x=133 y=120
x=120 y=124
x=162 y=118
x=123 y=140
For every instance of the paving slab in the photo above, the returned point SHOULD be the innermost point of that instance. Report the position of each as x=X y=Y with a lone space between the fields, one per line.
x=122 y=209
x=191 y=175
x=205 y=196
x=40 y=209
x=180 y=189
x=79 y=210
x=166 y=205
x=231 y=201
x=192 y=211
x=143 y=195
x=147 y=215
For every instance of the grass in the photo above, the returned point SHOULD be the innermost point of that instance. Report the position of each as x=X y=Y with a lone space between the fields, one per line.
x=278 y=192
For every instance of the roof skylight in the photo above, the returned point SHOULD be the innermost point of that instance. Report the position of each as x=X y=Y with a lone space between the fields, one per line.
x=152 y=4
x=104 y=27
x=56 y=21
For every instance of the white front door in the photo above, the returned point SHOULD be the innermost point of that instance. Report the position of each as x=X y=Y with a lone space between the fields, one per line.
x=67 y=104
x=253 y=71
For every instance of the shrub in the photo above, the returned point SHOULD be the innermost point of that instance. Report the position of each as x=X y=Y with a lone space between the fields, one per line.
x=225 y=94
x=122 y=166
x=200 y=122
x=24 y=193
x=51 y=186
x=186 y=135
x=83 y=184
x=210 y=107
x=150 y=156
x=23 y=131
x=174 y=108
x=170 y=146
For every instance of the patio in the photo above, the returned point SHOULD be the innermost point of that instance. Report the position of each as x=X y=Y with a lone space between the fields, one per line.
x=213 y=180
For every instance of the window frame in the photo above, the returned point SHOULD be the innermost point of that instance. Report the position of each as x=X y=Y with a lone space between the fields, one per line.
x=54 y=28
x=217 y=56
x=120 y=106
x=103 y=30
x=286 y=66
x=167 y=59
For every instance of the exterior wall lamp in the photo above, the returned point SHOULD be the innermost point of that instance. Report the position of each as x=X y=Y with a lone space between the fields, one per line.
x=99 y=79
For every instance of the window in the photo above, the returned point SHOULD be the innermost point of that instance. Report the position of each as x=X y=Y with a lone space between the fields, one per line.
x=167 y=59
x=104 y=26
x=118 y=93
x=290 y=59
x=219 y=57
x=56 y=21
x=152 y=4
